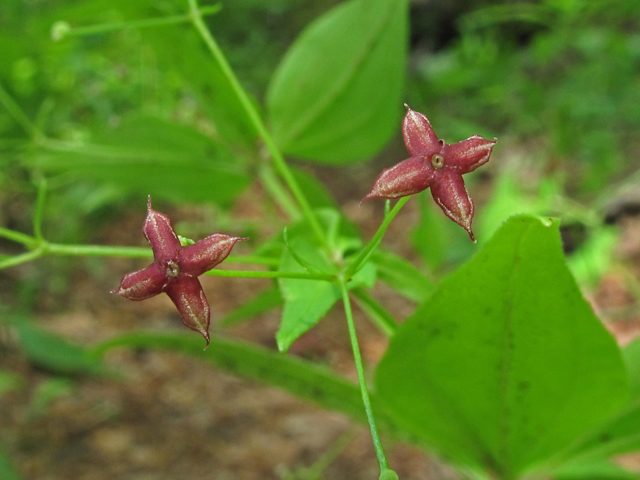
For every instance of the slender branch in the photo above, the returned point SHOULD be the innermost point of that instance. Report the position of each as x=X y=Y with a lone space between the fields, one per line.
x=18 y=237
x=63 y=29
x=269 y=274
x=22 y=258
x=278 y=160
x=366 y=252
x=377 y=443
x=37 y=218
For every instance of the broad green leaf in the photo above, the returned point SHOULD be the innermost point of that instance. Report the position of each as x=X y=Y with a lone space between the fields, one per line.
x=264 y=301
x=314 y=190
x=598 y=469
x=154 y=156
x=299 y=377
x=402 y=276
x=336 y=96
x=621 y=434
x=54 y=353
x=306 y=302
x=506 y=364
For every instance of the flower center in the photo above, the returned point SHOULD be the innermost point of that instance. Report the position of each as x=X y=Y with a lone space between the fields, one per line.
x=173 y=269
x=437 y=161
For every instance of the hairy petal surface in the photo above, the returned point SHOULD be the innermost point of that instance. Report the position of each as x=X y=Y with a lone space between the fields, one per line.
x=450 y=193
x=405 y=178
x=143 y=284
x=419 y=137
x=159 y=232
x=469 y=154
x=207 y=253
x=188 y=296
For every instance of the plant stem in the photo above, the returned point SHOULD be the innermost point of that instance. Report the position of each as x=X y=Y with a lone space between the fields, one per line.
x=366 y=252
x=278 y=160
x=37 y=218
x=18 y=237
x=377 y=443
x=146 y=22
x=269 y=274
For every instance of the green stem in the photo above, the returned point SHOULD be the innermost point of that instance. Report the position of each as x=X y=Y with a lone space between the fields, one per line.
x=366 y=252
x=278 y=160
x=377 y=443
x=18 y=237
x=18 y=114
x=22 y=258
x=37 y=218
x=147 y=22
x=269 y=274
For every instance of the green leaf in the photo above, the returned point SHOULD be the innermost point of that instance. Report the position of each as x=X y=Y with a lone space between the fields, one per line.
x=336 y=96
x=506 y=364
x=621 y=434
x=299 y=377
x=306 y=302
x=54 y=353
x=155 y=156
x=598 y=469
x=262 y=302
x=402 y=276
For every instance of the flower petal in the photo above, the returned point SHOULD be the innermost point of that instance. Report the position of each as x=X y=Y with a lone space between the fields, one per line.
x=450 y=193
x=188 y=296
x=419 y=137
x=469 y=154
x=207 y=253
x=159 y=232
x=405 y=178
x=142 y=284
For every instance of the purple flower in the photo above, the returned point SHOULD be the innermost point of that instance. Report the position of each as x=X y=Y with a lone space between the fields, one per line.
x=436 y=165
x=175 y=270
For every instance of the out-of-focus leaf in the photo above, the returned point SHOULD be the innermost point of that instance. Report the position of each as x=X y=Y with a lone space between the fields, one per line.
x=402 y=276
x=54 y=353
x=48 y=391
x=314 y=190
x=505 y=364
x=591 y=260
x=336 y=96
x=7 y=470
x=153 y=156
x=261 y=303
x=9 y=381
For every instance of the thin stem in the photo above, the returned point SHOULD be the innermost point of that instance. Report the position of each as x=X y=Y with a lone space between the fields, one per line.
x=18 y=114
x=366 y=252
x=143 y=23
x=22 y=258
x=278 y=160
x=18 y=237
x=269 y=274
x=37 y=218
x=253 y=259
x=377 y=443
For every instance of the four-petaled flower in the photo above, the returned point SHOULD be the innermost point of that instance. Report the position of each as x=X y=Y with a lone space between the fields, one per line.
x=436 y=165
x=175 y=270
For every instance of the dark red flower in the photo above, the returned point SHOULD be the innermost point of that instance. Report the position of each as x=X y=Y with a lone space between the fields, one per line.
x=436 y=165
x=175 y=270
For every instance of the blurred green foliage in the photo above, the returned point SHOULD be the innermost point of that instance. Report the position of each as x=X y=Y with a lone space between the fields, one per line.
x=560 y=72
